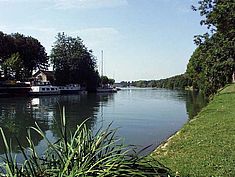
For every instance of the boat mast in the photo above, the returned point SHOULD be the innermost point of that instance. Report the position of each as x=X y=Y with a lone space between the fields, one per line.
x=102 y=62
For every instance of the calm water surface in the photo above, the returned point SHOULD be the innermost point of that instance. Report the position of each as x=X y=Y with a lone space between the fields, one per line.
x=144 y=116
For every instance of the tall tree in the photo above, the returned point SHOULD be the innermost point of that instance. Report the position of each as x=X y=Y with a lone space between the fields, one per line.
x=28 y=50
x=6 y=50
x=13 y=67
x=32 y=53
x=219 y=15
x=212 y=64
x=73 y=62
x=104 y=80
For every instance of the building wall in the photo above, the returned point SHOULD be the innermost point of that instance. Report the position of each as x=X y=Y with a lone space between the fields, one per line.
x=42 y=77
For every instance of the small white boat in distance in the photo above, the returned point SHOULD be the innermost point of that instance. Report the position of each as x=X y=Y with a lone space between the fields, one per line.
x=44 y=88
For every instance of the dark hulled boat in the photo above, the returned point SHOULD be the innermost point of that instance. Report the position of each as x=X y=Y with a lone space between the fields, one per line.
x=14 y=89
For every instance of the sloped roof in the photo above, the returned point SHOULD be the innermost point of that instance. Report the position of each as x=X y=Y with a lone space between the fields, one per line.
x=49 y=74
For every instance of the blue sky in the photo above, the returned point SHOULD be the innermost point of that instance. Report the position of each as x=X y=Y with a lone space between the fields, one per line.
x=141 y=39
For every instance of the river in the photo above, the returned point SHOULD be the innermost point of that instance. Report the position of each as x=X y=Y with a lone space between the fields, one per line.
x=142 y=116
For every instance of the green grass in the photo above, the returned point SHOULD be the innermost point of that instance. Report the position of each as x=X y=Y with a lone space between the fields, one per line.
x=82 y=154
x=228 y=89
x=205 y=146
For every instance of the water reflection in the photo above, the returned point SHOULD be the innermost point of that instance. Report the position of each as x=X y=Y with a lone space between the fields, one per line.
x=16 y=115
x=194 y=103
x=145 y=116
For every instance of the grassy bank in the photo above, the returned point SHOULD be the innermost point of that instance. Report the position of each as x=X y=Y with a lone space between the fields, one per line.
x=206 y=145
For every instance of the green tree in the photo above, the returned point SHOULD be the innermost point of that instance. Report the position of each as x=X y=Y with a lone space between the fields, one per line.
x=73 y=62
x=104 y=80
x=28 y=50
x=32 y=53
x=6 y=50
x=13 y=67
x=111 y=81
x=213 y=62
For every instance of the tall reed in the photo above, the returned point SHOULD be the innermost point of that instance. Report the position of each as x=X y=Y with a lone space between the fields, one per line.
x=81 y=153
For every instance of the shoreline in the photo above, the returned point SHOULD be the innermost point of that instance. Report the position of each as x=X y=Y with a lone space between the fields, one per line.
x=203 y=146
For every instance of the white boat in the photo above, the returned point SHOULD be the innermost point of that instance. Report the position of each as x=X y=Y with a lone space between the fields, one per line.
x=44 y=88
x=70 y=89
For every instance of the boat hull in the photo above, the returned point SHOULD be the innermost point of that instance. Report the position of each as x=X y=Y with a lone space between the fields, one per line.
x=43 y=93
x=64 y=92
x=106 y=90
x=14 y=90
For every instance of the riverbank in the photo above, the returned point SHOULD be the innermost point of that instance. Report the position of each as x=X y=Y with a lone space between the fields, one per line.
x=204 y=146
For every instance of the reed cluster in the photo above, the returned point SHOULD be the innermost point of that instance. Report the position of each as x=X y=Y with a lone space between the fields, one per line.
x=81 y=153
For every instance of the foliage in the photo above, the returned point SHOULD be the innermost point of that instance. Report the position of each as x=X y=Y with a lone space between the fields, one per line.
x=179 y=81
x=82 y=154
x=140 y=83
x=218 y=15
x=20 y=55
x=212 y=64
x=111 y=81
x=205 y=146
x=104 y=80
x=13 y=67
x=73 y=62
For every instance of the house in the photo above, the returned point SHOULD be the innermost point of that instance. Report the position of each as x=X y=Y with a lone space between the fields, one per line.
x=44 y=76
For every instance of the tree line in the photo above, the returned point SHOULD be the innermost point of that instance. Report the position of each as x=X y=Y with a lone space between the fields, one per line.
x=72 y=61
x=175 y=82
x=210 y=67
x=212 y=64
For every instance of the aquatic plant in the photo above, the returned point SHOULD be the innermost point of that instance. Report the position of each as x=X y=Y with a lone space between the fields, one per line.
x=81 y=153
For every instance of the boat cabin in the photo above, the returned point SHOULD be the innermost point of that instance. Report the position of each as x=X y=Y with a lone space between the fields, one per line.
x=44 y=90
